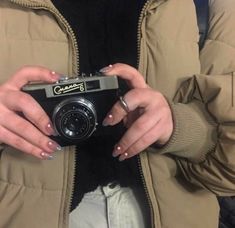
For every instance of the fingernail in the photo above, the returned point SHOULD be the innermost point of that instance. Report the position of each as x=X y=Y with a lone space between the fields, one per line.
x=46 y=156
x=106 y=69
x=121 y=158
x=107 y=120
x=54 y=146
x=55 y=76
x=50 y=129
x=117 y=151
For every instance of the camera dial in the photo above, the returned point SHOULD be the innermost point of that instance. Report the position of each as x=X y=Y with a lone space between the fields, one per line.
x=75 y=118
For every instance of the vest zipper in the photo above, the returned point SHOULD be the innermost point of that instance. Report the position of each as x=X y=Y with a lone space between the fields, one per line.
x=66 y=25
x=75 y=71
x=145 y=190
x=141 y=16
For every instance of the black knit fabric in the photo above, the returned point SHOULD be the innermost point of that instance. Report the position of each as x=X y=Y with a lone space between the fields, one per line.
x=106 y=31
x=227 y=212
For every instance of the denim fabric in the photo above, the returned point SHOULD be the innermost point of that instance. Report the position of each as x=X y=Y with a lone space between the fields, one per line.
x=111 y=206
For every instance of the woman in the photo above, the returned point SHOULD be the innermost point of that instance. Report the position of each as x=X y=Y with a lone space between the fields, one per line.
x=176 y=150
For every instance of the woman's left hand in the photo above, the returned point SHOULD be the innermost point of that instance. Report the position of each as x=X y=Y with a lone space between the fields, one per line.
x=149 y=119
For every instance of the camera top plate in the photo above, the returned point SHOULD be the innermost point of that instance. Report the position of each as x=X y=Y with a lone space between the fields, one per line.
x=69 y=86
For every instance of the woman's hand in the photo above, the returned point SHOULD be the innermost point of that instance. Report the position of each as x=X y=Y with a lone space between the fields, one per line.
x=29 y=133
x=149 y=119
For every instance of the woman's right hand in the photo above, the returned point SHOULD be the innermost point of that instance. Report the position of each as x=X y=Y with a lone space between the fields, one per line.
x=30 y=133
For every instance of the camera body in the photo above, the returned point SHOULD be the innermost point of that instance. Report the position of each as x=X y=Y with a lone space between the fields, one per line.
x=77 y=106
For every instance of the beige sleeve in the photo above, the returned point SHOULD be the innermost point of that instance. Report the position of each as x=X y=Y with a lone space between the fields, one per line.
x=217 y=171
x=205 y=109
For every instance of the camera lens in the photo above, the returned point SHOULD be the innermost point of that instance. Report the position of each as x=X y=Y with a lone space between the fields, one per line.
x=75 y=118
x=74 y=123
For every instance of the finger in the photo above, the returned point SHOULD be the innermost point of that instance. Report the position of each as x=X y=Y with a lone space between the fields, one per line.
x=21 y=144
x=115 y=115
x=124 y=71
x=24 y=129
x=135 y=98
x=22 y=102
x=29 y=74
x=137 y=130
x=141 y=144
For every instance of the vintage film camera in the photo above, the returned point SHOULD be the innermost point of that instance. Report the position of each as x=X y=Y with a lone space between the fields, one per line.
x=78 y=106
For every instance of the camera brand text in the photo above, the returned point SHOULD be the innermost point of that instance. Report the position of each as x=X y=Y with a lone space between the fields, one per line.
x=62 y=89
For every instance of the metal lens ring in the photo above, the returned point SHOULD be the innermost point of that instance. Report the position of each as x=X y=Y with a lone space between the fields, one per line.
x=75 y=118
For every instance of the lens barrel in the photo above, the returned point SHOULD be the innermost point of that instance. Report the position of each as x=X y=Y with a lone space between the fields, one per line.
x=75 y=118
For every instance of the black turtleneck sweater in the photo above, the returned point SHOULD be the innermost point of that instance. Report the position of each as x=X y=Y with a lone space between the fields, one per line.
x=106 y=31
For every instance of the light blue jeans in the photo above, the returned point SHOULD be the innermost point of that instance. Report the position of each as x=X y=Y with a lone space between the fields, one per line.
x=108 y=207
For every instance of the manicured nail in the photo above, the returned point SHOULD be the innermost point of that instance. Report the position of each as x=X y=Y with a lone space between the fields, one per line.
x=121 y=158
x=46 y=156
x=54 y=146
x=106 y=69
x=116 y=151
x=55 y=76
x=107 y=120
x=50 y=129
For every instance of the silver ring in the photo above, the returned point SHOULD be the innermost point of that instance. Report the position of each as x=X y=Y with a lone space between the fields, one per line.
x=124 y=104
